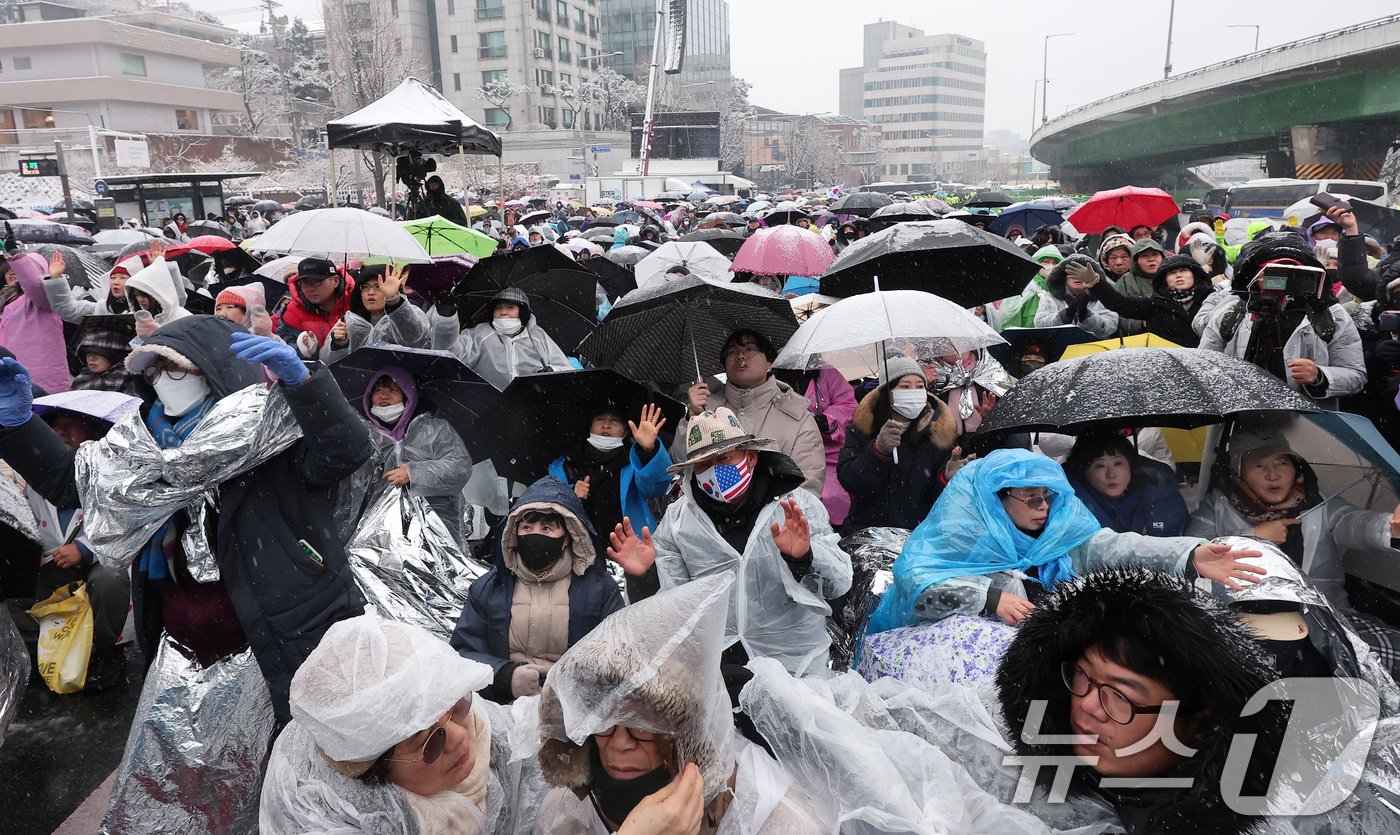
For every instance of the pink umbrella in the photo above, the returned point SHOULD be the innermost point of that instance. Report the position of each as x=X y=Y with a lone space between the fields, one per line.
x=648 y=204
x=784 y=250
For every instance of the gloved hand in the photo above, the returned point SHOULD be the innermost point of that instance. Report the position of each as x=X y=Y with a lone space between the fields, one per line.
x=146 y=325
x=446 y=307
x=279 y=357
x=823 y=423
x=308 y=345
x=889 y=436
x=1080 y=271
x=259 y=322
x=525 y=681
x=1388 y=352
x=16 y=395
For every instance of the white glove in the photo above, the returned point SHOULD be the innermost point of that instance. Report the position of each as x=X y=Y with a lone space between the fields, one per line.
x=525 y=681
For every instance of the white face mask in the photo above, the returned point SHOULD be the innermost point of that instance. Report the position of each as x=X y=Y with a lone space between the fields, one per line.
x=506 y=326
x=909 y=402
x=388 y=415
x=179 y=396
x=604 y=443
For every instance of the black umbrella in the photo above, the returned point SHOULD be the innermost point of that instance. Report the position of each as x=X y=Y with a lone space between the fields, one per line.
x=79 y=204
x=616 y=279
x=273 y=290
x=723 y=240
x=903 y=213
x=83 y=221
x=988 y=200
x=47 y=232
x=539 y=417
x=860 y=203
x=670 y=331
x=310 y=201
x=239 y=200
x=561 y=292
x=206 y=227
x=959 y=262
x=1179 y=387
x=266 y=207
x=777 y=217
x=533 y=218
x=453 y=391
x=600 y=222
x=1054 y=339
x=78 y=267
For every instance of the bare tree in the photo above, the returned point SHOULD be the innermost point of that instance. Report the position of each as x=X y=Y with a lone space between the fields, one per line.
x=259 y=81
x=612 y=97
x=735 y=111
x=498 y=93
x=813 y=153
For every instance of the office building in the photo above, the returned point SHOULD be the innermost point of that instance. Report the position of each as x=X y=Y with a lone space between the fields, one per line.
x=630 y=30
x=928 y=94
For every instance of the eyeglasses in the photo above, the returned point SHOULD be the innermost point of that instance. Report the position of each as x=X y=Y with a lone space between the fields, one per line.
x=153 y=373
x=1032 y=502
x=638 y=735
x=735 y=351
x=437 y=740
x=1119 y=707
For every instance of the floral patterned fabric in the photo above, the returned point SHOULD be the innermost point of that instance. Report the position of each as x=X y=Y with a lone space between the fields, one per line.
x=959 y=649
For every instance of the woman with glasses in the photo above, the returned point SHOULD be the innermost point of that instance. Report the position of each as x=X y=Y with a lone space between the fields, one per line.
x=1007 y=529
x=1131 y=676
x=387 y=737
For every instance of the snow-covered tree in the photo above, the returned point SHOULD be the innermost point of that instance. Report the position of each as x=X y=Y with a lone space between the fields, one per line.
x=498 y=93
x=612 y=97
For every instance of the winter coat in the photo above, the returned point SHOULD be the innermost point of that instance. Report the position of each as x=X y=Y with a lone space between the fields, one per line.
x=285 y=599
x=1329 y=530
x=1160 y=313
x=771 y=410
x=1202 y=644
x=771 y=613
x=830 y=394
x=1089 y=313
x=32 y=331
x=299 y=315
x=1341 y=360
x=1020 y=311
x=890 y=493
x=496 y=357
x=402 y=324
x=483 y=630
x=638 y=483
x=1356 y=273
x=1152 y=506
x=73 y=308
x=1136 y=284
x=162 y=283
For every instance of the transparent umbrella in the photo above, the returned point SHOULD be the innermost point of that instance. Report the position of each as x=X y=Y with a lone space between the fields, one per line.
x=342 y=232
x=696 y=257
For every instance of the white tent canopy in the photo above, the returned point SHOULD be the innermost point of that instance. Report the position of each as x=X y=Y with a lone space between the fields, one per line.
x=412 y=116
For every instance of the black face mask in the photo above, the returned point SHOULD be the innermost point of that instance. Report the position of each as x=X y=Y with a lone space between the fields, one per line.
x=615 y=799
x=538 y=551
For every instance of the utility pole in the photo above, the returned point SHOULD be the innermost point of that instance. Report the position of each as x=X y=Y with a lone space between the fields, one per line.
x=63 y=175
x=1045 y=76
x=1171 y=19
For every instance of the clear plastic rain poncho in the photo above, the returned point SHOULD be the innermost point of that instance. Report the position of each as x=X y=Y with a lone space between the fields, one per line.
x=403 y=325
x=367 y=686
x=771 y=613
x=655 y=666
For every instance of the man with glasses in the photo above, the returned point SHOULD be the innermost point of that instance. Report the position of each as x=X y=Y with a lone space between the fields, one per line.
x=317 y=297
x=1137 y=683
x=766 y=406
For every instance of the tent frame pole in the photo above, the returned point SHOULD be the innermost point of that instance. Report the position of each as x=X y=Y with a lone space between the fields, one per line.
x=335 y=181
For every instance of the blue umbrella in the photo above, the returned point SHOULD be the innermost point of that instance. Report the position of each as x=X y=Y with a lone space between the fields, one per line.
x=1029 y=217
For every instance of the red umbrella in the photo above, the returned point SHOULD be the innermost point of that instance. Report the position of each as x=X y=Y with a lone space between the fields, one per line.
x=207 y=244
x=784 y=250
x=1126 y=207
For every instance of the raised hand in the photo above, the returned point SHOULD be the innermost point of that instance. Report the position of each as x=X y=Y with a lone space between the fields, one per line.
x=636 y=554
x=645 y=430
x=339 y=333
x=259 y=322
x=278 y=357
x=394 y=277
x=794 y=538
x=1215 y=561
x=57 y=266
x=584 y=487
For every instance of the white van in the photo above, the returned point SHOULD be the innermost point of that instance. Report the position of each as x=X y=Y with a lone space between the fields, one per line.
x=1273 y=197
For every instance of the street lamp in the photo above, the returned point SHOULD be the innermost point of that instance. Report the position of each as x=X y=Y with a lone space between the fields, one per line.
x=1045 y=75
x=1253 y=26
x=596 y=57
x=698 y=84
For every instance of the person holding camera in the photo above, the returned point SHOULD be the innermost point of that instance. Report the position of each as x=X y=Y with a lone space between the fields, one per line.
x=1284 y=318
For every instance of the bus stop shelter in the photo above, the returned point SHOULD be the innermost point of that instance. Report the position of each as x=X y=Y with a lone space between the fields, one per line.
x=155 y=196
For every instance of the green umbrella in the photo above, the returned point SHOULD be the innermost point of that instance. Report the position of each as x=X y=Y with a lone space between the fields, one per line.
x=440 y=236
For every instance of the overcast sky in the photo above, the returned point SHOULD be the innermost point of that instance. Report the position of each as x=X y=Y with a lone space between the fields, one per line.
x=790 y=51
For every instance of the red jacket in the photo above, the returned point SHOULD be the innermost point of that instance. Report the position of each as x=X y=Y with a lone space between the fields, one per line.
x=300 y=315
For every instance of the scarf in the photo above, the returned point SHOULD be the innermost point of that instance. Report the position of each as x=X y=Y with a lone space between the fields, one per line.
x=1299 y=500
x=155 y=556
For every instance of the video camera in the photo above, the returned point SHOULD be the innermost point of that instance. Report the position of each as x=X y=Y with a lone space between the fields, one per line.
x=413 y=169
x=1279 y=281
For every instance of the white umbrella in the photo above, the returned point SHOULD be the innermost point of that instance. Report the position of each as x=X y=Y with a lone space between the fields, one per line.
x=697 y=257
x=343 y=233
x=279 y=268
x=121 y=237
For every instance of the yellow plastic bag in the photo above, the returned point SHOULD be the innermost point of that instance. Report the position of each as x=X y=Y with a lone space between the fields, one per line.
x=65 y=637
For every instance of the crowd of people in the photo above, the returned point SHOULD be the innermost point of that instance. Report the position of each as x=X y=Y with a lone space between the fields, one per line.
x=647 y=644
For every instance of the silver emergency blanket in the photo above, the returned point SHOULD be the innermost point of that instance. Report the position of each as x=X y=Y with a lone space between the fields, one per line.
x=409 y=566
x=872 y=552
x=198 y=746
x=987 y=373
x=129 y=486
x=14 y=670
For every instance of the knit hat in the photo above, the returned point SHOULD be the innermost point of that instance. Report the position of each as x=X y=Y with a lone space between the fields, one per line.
x=715 y=433
x=1113 y=242
x=1049 y=251
x=227 y=296
x=896 y=368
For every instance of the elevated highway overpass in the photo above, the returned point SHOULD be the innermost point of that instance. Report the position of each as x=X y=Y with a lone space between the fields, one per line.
x=1325 y=106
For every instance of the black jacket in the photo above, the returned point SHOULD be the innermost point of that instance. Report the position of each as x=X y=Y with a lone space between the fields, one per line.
x=886 y=493
x=1162 y=314
x=1208 y=649
x=285 y=599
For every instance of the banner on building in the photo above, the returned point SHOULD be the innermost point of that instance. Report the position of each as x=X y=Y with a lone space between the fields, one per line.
x=132 y=153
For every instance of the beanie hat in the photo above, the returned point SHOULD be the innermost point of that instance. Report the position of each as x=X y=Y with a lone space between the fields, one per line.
x=896 y=368
x=227 y=296
x=1049 y=251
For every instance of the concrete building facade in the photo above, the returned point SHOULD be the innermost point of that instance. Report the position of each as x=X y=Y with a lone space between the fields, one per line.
x=926 y=92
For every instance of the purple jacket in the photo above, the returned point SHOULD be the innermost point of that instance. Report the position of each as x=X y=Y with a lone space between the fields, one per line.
x=831 y=395
x=32 y=331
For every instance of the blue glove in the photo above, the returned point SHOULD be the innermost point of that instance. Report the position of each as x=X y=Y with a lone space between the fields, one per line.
x=16 y=395
x=279 y=357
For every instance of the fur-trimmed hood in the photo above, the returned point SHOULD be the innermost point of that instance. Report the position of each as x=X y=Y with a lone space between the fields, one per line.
x=937 y=423
x=1055 y=282
x=551 y=495
x=1197 y=636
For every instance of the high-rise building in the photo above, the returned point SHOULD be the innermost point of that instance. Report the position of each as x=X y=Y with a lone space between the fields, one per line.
x=928 y=94
x=629 y=29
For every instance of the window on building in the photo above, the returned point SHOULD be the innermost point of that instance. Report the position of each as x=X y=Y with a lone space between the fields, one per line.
x=8 y=136
x=544 y=44
x=593 y=25
x=579 y=25
x=566 y=80
x=133 y=64
x=491 y=45
x=37 y=119
x=568 y=118
x=394 y=7
x=489 y=77
x=544 y=78
x=451 y=6
x=489 y=10
x=561 y=12
x=457 y=82
x=547 y=116
x=582 y=54
x=24 y=63
x=564 y=49
x=496 y=117
x=186 y=119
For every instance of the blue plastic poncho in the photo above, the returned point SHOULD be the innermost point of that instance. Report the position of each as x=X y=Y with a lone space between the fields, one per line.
x=969 y=533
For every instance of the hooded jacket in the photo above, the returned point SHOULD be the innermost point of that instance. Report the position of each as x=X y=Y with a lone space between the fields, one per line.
x=299 y=315
x=30 y=328
x=1160 y=313
x=284 y=599
x=885 y=492
x=497 y=357
x=402 y=323
x=1060 y=307
x=74 y=309
x=1204 y=648
x=638 y=483
x=444 y=204
x=483 y=630
x=1135 y=283
x=160 y=283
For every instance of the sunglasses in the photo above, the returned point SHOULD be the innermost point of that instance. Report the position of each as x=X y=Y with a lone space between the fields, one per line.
x=437 y=740
x=1032 y=502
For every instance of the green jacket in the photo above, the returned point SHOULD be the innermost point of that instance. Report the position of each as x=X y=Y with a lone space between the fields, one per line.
x=1019 y=311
